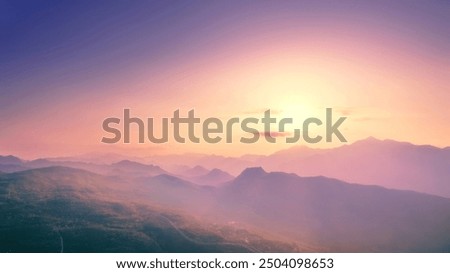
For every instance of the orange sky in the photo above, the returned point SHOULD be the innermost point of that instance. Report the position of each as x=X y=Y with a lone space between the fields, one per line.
x=390 y=82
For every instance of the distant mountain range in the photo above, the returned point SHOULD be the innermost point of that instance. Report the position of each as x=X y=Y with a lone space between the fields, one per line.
x=203 y=176
x=387 y=163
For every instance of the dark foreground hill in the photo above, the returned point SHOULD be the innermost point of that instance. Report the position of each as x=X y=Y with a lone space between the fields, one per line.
x=63 y=209
x=67 y=210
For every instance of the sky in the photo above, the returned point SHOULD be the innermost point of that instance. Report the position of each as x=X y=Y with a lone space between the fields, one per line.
x=65 y=66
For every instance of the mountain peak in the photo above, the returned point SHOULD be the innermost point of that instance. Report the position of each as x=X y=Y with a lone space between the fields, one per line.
x=216 y=171
x=253 y=172
x=371 y=138
x=130 y=163
x=9 y=159
x=198 y=168
x=127 y=162
x=368 y=140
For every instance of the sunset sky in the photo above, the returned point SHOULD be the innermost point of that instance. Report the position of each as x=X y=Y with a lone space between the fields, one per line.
x=65 y=66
